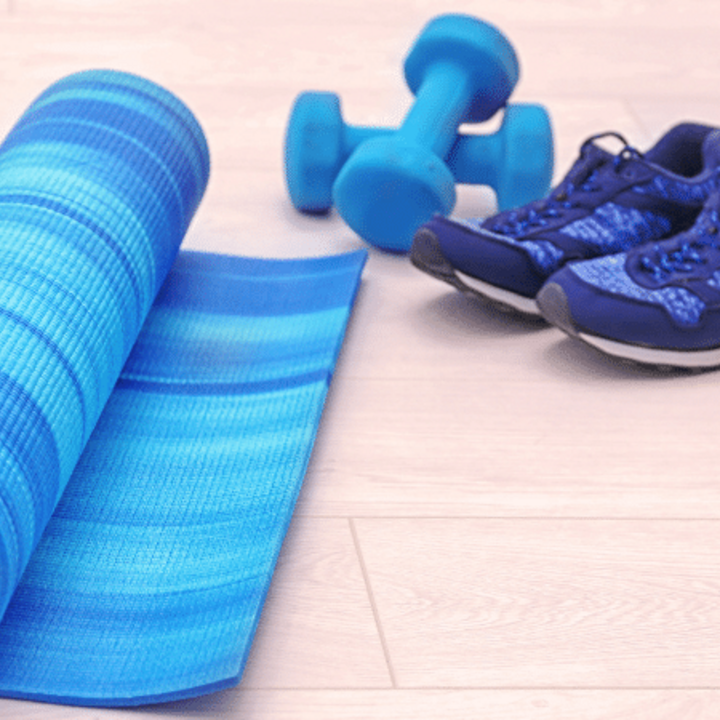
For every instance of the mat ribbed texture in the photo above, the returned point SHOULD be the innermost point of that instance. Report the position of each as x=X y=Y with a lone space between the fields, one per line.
x=147 y=518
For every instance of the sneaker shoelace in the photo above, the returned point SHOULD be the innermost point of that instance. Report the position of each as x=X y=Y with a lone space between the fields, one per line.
x=687 y=251
x=590 y=173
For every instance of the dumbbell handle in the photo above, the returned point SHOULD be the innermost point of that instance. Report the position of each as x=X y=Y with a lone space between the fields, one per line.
x=438 y=110
x=472 y=159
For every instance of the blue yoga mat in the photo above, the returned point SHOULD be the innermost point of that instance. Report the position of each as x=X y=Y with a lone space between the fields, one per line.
x=157 y=410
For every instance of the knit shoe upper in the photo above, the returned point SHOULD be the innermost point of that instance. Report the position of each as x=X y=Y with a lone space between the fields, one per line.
x=659 y=303
x=605 y=204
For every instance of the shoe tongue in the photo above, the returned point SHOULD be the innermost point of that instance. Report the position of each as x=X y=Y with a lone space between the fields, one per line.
x=711 y=150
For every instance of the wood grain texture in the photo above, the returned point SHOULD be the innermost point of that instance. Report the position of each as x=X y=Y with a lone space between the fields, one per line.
x=547 y=603
x=419 y=704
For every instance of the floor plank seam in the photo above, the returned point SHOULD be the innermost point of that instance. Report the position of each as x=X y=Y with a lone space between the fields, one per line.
x=371 y=597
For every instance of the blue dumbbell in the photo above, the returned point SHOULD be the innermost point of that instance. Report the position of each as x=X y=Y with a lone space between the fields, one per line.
x=516 y=161
x=462 y=70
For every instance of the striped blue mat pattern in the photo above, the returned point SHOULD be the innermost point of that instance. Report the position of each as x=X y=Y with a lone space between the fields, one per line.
x=157 y=410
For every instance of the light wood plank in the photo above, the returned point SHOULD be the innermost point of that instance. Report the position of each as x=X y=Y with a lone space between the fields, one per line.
x=467 y=704
x=443 y=407
x=657 y=114
x=547 y=603
x=416 y=704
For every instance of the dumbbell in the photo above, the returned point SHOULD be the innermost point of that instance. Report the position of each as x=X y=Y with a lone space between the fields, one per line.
x=516 y=161
x=461 y=70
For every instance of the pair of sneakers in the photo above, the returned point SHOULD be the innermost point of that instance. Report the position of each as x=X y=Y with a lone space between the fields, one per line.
x=624 y=253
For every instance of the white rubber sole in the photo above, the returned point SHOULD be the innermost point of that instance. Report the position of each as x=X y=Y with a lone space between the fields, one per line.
x=522 y=304
x=655 y=356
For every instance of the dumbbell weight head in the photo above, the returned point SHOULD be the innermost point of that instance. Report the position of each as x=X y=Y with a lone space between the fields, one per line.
x=391 y=189
x=525 y=173
x=317 y=144
x=478 y=47
x=516 y=160
x=313 y=142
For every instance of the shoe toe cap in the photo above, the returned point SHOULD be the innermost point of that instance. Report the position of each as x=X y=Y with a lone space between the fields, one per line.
x=488 y=257
x=581 y=308
x=555 y=308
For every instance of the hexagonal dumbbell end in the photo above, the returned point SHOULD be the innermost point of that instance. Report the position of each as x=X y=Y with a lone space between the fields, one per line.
x=516 y=161
x=317 y=144
x=461 y=70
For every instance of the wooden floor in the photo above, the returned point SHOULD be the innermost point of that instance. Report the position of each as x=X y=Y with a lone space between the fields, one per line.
x=497 y=523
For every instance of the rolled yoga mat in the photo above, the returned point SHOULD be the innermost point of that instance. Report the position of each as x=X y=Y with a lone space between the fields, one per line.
x=157 y=411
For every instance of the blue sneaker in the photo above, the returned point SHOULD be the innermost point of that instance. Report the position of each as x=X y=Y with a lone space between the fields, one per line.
x=606 y=204
x=656 y=304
